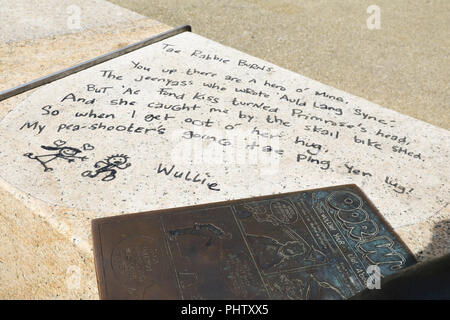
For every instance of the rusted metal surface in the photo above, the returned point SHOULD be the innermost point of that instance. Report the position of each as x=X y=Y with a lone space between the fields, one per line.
x=314 y=244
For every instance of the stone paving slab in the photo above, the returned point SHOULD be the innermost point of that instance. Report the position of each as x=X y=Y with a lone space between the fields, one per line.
x=403 y=65
x=72 y=220
x=42 y=257
x=36 y=260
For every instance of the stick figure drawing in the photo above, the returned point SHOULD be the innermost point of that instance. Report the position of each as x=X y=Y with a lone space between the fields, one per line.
x=108 y=166
x=58 y=152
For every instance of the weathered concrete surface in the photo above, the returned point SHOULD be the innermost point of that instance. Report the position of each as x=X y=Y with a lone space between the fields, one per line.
x=403 y=66
x=348 y=133
x=55 y=53
x=36 y=260
x=34 y=19
x=73 y=223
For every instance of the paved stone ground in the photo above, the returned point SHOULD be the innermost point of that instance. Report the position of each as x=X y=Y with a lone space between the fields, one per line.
x=403 y=66
x=34 y=19
x=37 y=261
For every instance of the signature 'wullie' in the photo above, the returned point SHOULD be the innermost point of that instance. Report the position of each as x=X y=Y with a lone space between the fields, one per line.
x=188 y=176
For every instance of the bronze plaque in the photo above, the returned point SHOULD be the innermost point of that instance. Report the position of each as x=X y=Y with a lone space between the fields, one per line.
x=315 y=244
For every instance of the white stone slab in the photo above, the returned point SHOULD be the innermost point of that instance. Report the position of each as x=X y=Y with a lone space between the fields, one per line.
x=239 y=125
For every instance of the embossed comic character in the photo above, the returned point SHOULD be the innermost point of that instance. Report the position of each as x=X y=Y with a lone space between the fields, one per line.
x=272 y=254
x=70 y=154
x=207 y=230
x=280 y=212
x=108 y=166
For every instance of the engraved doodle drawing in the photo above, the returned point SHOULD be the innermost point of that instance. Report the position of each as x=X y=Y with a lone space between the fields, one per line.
x=59 y=151
x=108 y=166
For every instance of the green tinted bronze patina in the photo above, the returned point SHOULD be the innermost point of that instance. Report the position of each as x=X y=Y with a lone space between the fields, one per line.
x=313 y=244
